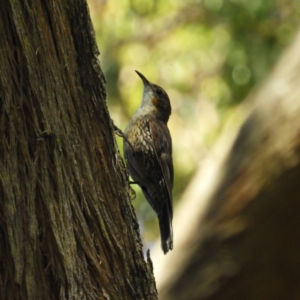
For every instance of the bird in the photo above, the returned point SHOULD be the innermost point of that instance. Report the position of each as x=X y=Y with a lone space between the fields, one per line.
x=148 y=153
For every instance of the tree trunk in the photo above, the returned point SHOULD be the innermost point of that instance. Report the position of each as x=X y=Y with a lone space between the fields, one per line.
x=242 y=236
x=67 y=227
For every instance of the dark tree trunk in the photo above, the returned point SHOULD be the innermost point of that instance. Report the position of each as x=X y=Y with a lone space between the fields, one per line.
x=67 y=227
x=245 y=242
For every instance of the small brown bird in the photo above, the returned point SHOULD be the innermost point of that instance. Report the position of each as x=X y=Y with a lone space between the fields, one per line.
x=148 y=152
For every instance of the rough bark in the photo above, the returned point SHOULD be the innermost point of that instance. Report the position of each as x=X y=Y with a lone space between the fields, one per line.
x=67 y=227
x=242 y=236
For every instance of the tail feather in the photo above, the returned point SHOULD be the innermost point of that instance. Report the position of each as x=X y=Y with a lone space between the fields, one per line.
x=166 y=230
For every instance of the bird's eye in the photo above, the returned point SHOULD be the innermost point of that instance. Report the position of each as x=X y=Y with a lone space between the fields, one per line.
x=159 y=91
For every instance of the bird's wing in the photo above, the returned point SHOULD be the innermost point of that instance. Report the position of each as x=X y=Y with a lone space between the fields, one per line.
x=163 y=150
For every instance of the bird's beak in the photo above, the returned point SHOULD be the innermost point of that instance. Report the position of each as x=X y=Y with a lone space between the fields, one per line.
x=145 y=81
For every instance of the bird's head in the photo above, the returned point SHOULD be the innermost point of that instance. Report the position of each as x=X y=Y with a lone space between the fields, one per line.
x=154 y=96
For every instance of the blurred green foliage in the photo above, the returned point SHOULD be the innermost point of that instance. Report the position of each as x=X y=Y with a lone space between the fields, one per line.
x=206 y=54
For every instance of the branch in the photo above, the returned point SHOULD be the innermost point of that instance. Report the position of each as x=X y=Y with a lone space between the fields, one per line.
x=237 y=236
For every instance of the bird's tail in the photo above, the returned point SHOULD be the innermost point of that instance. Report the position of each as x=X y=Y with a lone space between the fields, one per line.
x=166 y=230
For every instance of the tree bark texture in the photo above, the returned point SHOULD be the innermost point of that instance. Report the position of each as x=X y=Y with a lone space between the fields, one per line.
x=244 y=242
x=67 y=227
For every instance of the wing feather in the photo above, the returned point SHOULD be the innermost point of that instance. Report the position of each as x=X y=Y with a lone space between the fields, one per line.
x=163 y=150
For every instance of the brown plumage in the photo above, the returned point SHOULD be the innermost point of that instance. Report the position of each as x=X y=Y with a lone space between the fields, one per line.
x=149 y=155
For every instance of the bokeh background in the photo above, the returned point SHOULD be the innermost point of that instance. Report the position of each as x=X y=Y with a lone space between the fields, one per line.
x=206 y=54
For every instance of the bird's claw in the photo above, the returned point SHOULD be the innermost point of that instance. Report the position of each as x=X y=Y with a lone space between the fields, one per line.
x=132 y=193
x=119 y=133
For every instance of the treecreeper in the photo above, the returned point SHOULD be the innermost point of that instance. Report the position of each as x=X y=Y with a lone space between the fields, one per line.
x=148 y=153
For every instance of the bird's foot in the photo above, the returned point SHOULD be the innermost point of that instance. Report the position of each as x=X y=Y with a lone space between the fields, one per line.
x=132 y=193
x=120 y=133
